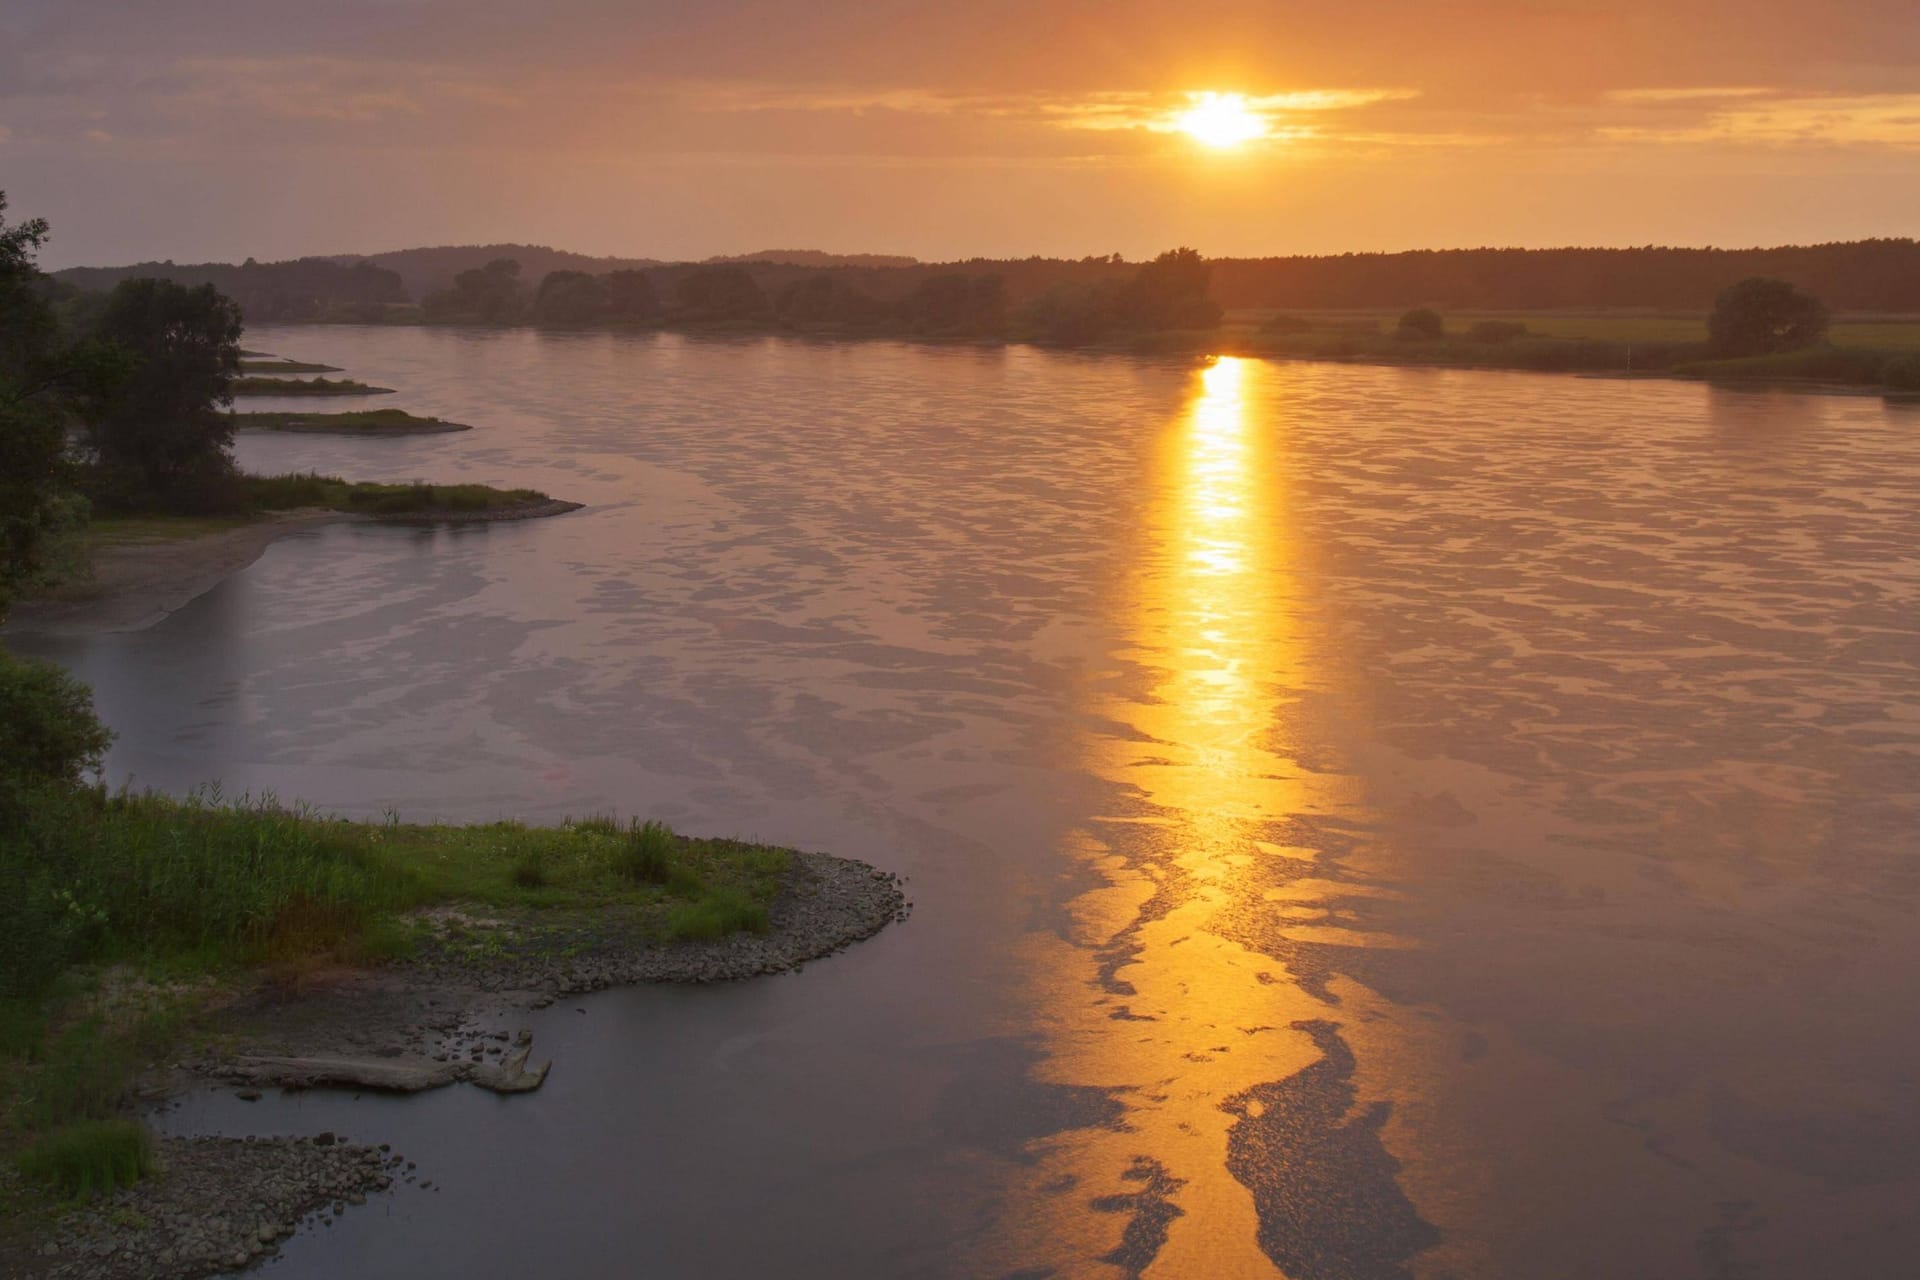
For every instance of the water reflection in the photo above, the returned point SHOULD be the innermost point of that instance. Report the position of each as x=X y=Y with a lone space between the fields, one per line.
x=1152 y=997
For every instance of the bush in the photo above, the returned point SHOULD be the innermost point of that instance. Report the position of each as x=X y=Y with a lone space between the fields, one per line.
x=717 y=913
x=1496 y=331
x=1901 y=374
x=647 y=853
x=48 y=732
x=530 y=867
x=1420 y=324
x=97 y=1157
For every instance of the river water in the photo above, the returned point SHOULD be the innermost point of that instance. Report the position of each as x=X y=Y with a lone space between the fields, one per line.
x=1362 y=822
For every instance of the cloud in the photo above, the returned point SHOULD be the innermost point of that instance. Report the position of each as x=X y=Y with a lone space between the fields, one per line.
x=1881 y=120
x=1698 y=94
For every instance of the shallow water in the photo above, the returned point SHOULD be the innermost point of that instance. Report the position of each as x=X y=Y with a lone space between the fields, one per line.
x=1363 y=822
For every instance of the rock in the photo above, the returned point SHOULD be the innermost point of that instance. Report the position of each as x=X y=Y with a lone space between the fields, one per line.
x=510 y=1074
x=385 y=1075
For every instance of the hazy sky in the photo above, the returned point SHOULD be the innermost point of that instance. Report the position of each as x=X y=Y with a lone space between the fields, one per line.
x=198 y=129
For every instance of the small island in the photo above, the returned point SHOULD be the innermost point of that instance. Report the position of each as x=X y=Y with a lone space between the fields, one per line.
x=257 y=386
x=363 y=422
x=285 y=366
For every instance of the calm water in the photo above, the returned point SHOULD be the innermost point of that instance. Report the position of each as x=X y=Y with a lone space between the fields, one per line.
x=1363 y=822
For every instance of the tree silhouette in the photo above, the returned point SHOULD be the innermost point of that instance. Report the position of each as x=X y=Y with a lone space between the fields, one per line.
x=1759 y=316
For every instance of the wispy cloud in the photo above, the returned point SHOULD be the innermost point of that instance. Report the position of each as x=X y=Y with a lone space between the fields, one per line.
x=1884 y=120
x=1700 y=93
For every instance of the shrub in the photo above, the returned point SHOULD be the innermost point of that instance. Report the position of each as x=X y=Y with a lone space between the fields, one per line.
x=48 y=732
x=530 y=867
x=1420 y=324
x=1496 y=331
x=647 y=853
x=96 y=1157
x=715 y=914
x=1902 y=373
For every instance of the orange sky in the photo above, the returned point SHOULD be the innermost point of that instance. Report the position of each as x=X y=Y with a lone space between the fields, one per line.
x=222 y=128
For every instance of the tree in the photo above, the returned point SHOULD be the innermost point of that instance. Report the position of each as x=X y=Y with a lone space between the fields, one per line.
x=1759 y=316
x=40 y=513
x=160 y=435
x=1420 y=324
x=723 y=295
x=1171 y=292
x=630 y=297
x=955 y=305
x=570 y=297
x=492 y=294
x=826 y=300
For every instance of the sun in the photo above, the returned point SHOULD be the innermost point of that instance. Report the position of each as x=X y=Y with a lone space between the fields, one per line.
x=1221 y=120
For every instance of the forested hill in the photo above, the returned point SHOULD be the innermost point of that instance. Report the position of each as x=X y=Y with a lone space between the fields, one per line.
x=1860 y=275
x=1857 y=276
x=427 y=271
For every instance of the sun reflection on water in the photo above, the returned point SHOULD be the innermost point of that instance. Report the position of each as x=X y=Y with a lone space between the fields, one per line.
x=1151 y=998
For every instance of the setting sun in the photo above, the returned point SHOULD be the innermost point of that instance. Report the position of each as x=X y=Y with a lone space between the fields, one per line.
x=1221 y=120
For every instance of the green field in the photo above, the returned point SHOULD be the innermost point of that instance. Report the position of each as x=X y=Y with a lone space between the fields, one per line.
x=1886 y=333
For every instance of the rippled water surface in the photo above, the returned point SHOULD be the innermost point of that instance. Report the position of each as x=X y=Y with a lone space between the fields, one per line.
x=1363 y=822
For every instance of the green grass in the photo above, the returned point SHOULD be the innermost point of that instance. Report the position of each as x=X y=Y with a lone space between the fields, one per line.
x=717 y=913
x=1563 y=342
x=1890 y=333
x=113 y=899
x=285 y=366
x=257 y=386
x=93 y=1157
x=183 y=886
x=647 y=853
x=364 y=422
x=1851 y=366
x=310 y=489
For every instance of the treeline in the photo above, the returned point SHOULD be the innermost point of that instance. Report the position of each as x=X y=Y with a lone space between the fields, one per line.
x=1860 y=275
x=1168 y=293
x=1857 y=276
x=307 y=289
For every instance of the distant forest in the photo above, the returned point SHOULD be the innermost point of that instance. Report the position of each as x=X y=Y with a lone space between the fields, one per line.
x=1858 y=276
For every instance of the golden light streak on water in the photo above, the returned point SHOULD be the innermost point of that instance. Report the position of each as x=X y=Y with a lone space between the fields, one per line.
x=1187 y=1018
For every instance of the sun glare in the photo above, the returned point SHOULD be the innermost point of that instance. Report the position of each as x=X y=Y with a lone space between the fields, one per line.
x=1221 y=120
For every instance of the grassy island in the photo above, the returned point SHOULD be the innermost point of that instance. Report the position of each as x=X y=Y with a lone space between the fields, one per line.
x=285 y=366
x=258 y=386
x=364 y=422
x=297 y=490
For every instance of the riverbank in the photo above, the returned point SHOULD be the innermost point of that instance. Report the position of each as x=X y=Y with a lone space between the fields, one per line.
x=145 y=568
x=384 y=957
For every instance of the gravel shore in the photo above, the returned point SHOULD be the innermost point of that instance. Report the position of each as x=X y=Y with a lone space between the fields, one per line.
x=443 y=1017
x=216 y=1205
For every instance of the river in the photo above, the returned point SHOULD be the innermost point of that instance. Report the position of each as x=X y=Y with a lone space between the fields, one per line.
x=1363 y=822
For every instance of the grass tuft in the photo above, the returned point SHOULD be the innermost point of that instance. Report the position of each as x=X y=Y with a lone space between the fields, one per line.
x=647 y=853
x=530 y=868
x=717 y=912
x=95 y=1157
